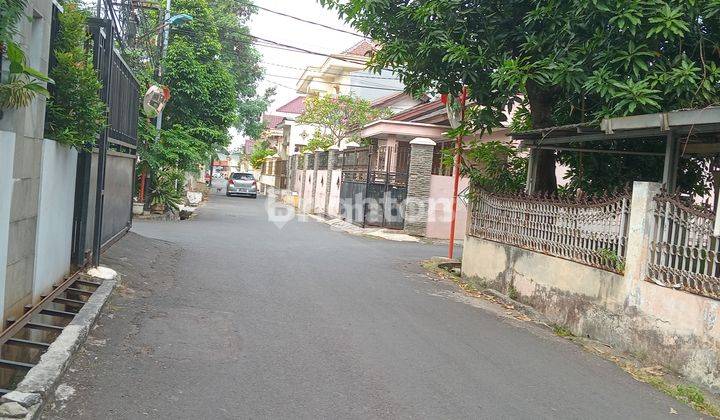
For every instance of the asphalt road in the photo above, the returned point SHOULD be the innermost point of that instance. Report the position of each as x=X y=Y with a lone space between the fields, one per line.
x=228 y=316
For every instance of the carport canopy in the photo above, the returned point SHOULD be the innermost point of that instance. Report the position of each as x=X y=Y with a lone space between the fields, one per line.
x=695 y=131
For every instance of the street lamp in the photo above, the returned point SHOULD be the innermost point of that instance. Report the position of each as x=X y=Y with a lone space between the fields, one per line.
x=174 y=20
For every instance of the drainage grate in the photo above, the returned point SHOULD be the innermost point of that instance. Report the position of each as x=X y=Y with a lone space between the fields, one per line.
x=27 y=338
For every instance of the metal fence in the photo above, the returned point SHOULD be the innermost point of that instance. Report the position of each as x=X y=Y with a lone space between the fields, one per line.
x=124 y=89
x=311 y=160
x=683 y=250
x=590 y=231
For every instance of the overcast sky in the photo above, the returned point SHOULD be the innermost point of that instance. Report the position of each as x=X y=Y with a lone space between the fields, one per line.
x=288 y=64
x=288 y=31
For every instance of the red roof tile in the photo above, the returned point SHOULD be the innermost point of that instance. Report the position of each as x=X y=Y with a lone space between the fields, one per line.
x=272 y=121
x=418 y=111
x=361 y=48
x=296 y=106
x=394 y=98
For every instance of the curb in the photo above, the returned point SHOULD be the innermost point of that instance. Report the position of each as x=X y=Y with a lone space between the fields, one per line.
x=528 y=310
x=374 y=232
x=38 y=386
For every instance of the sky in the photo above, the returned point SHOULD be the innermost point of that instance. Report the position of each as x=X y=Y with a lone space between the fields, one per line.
x=289 y=64
x=288 y=31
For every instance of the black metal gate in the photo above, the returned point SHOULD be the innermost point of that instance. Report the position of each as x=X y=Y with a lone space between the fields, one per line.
x=105 y=176
x=374 y=185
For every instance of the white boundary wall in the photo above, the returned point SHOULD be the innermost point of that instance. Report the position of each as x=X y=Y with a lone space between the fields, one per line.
x=7 y=156
x=55 y=216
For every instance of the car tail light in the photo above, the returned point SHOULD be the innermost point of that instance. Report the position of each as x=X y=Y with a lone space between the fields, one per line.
x=230 y=182
x=254 y=183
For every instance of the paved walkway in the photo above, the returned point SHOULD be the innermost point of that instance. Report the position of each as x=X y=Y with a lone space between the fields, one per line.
x=227 y=316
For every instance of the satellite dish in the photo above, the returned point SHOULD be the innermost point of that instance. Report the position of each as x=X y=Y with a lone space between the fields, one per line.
x=155 y=100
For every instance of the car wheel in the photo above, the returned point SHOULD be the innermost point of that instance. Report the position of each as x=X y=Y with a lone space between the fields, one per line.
x=227 y=194
x=254 y=196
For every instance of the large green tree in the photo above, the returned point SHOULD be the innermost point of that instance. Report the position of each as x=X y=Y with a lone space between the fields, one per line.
x=567 y=61
x=213 y=70
x=203 y=88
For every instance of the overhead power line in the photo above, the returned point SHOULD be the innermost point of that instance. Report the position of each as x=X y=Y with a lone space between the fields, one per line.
x=279 y=45
x=300 y=49
x=334 y=74
x=312 y=22
x=345 y=84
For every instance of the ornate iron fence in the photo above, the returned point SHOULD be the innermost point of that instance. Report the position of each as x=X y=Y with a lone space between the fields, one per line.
x=311 y=161
x=591 y=231
x=683 y=250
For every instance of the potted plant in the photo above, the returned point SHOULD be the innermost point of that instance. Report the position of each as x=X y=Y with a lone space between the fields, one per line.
x=138 y=207
x=164 y=196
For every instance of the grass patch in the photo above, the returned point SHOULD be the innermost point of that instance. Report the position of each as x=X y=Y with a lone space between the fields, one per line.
x=688 y=394
x=470 y=285
x=513 y=293
x=561 y=331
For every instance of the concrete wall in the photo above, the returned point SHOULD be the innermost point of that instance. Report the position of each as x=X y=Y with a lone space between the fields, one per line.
x=334 y=202
x=7 y=154
x=27 y=123
x=674 y=328
x=55 y=216
x=306 y=201
x=440 y=208
x=266 y=183
x=320 y=191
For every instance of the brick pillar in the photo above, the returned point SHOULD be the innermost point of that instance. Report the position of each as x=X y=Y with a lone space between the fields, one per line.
x=314 y=180
x=292 y=173
x=332 y=163
x=418 y=193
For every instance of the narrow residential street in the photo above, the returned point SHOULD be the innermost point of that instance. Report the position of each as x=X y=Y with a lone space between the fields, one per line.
x=228 y=316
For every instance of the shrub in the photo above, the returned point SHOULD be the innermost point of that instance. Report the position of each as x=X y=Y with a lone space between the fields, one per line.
x=76 y=114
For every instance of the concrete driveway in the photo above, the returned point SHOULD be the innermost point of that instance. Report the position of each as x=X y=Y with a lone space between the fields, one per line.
x=228 y=316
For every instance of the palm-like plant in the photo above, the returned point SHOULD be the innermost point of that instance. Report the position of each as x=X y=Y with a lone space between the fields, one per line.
x=165 y=194
x=24 y=82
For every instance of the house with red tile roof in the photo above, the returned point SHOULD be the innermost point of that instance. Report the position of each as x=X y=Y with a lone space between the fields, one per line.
x=273 y=130
x=346 y=73
x=293 y=108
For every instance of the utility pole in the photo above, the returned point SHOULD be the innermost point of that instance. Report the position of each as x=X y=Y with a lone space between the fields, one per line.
x=163 y=54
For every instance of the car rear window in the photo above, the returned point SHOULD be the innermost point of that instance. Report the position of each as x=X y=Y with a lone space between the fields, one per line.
x=243 y=177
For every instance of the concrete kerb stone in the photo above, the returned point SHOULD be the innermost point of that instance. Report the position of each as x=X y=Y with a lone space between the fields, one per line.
x=36 y=389
x=529 y=311
x=347 y=227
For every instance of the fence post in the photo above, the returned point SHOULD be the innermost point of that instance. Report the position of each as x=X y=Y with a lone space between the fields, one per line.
x=531 y=178
x=315 y=178
x=332 y=162
x=418 y=189
x=639 y=237
x=306 y=165
x=292 y=173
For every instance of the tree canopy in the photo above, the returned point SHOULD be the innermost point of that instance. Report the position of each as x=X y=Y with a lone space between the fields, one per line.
x=337 y=118
x=564 y=61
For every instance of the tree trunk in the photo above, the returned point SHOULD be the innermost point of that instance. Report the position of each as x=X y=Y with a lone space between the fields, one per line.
x=541 y=104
